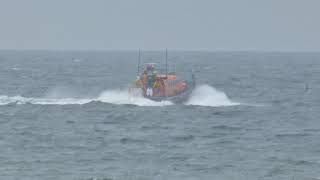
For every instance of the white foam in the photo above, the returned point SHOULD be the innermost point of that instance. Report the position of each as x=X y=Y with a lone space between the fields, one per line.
x=111 y=96
x=16 y=69
x=205 y=95
x=77 y=60
x=124 y=97
x=4 y=100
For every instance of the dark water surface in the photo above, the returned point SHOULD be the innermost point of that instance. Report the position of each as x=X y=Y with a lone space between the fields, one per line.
x=67 y=115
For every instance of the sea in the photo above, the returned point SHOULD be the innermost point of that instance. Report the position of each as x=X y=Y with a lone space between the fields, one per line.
x=69 y=115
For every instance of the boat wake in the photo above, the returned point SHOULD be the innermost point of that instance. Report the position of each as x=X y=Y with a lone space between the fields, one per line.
x=203 y=95
x=110 y=96
x=5 y=100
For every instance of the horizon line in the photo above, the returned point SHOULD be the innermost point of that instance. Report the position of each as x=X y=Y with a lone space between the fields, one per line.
x=164 y=49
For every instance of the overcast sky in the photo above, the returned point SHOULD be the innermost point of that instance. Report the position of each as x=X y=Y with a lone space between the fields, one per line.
x=262 y=25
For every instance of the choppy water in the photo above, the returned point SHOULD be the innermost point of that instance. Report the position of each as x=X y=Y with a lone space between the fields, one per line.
x=67 y=115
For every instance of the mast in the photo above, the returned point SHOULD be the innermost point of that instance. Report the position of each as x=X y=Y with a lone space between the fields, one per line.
x=139 y=57
x=166 y=63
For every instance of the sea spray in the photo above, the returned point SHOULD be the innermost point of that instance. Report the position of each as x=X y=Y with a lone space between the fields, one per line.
x=205 y=95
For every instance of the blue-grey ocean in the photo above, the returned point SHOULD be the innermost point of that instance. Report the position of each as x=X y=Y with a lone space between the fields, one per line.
x=68 y=115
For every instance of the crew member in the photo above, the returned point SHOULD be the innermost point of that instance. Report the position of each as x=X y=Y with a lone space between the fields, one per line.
x=151 y=74
x=157 y=87
x=150 y=83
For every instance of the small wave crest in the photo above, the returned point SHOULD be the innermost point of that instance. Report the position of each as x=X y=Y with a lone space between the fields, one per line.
x=205 y=95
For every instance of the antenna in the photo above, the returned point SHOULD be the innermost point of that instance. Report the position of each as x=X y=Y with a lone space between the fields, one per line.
x=139 y=57
x=166 y=62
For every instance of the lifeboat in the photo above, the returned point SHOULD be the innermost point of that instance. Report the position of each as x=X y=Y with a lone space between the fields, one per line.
x=162 y=86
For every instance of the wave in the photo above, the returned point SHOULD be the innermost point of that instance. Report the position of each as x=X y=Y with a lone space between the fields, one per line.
x=203 y=95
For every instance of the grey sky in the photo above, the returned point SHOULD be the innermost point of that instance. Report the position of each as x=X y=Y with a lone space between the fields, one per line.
x=267 y=25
